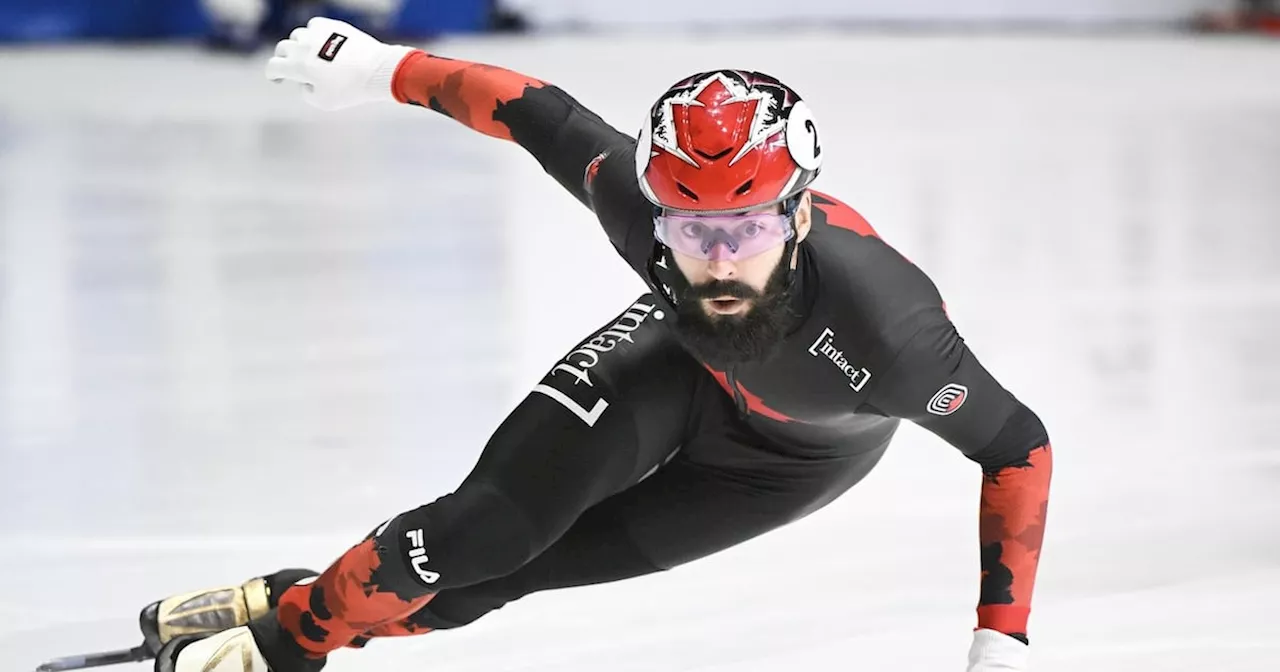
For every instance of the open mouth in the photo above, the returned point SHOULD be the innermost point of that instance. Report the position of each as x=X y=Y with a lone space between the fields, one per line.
x=726 y=305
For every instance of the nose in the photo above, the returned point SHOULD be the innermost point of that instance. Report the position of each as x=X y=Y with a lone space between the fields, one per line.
x=721 y=269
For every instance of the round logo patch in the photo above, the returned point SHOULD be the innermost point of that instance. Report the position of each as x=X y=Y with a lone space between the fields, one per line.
x=949 y=399
x=802 y=137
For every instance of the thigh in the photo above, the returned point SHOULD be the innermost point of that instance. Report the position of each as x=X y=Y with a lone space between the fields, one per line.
x=728 y=484
x=725 y=486
x=603 y=417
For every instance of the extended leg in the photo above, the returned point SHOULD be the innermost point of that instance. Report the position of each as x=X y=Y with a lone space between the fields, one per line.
x=601 y=419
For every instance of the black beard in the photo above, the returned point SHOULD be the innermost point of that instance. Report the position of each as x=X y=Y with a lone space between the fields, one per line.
x=735 y=339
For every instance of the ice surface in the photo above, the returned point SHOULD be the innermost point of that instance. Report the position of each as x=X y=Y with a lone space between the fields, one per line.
x=218 y=305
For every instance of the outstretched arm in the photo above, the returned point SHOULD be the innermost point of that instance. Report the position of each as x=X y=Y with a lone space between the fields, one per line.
x=340 y=66
x=939 y=384
x=559 y=132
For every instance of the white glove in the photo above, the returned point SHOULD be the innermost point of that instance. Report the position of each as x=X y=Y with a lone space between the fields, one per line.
x=994 y=651
x=231 y=650
x=337 y=64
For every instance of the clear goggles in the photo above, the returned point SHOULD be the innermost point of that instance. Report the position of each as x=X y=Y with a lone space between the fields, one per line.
x=720 y=237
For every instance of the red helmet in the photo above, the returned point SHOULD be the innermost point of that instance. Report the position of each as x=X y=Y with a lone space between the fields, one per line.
x=726 y=141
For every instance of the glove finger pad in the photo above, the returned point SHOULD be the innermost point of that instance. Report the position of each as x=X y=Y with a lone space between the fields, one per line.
x=282 y=68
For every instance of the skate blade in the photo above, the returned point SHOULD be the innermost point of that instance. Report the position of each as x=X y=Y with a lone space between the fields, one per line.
x=134 y=655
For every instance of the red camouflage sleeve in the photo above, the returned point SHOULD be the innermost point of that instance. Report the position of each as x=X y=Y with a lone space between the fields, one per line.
x=1012 y=514
x=467 y=92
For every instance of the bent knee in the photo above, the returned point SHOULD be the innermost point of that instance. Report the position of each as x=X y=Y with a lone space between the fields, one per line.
x=471 y=535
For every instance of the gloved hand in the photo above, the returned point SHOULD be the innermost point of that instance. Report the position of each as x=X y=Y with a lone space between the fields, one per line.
x=994 y=651
x=337 y=64
x=232 y=650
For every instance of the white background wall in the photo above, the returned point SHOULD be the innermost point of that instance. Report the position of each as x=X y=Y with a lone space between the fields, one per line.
x=682 y=13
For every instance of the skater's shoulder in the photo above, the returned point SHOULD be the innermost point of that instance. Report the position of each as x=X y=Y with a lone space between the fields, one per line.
x=842 y=239
x=830 y=212
x=856 y=267
x=863 y=281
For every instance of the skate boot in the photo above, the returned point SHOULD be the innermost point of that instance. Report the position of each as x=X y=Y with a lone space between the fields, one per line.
x=214 y=610
x=232 y=650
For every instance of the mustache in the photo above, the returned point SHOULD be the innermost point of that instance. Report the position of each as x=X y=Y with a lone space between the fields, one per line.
x=718 y=288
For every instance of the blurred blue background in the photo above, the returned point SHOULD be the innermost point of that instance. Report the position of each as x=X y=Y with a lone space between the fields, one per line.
x=62 y=20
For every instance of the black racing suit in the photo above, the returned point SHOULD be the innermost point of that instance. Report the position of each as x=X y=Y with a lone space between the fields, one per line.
x=630 y=456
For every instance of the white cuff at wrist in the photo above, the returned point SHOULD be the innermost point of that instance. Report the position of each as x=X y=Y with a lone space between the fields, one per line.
x=379 y=84
x=994 y=651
